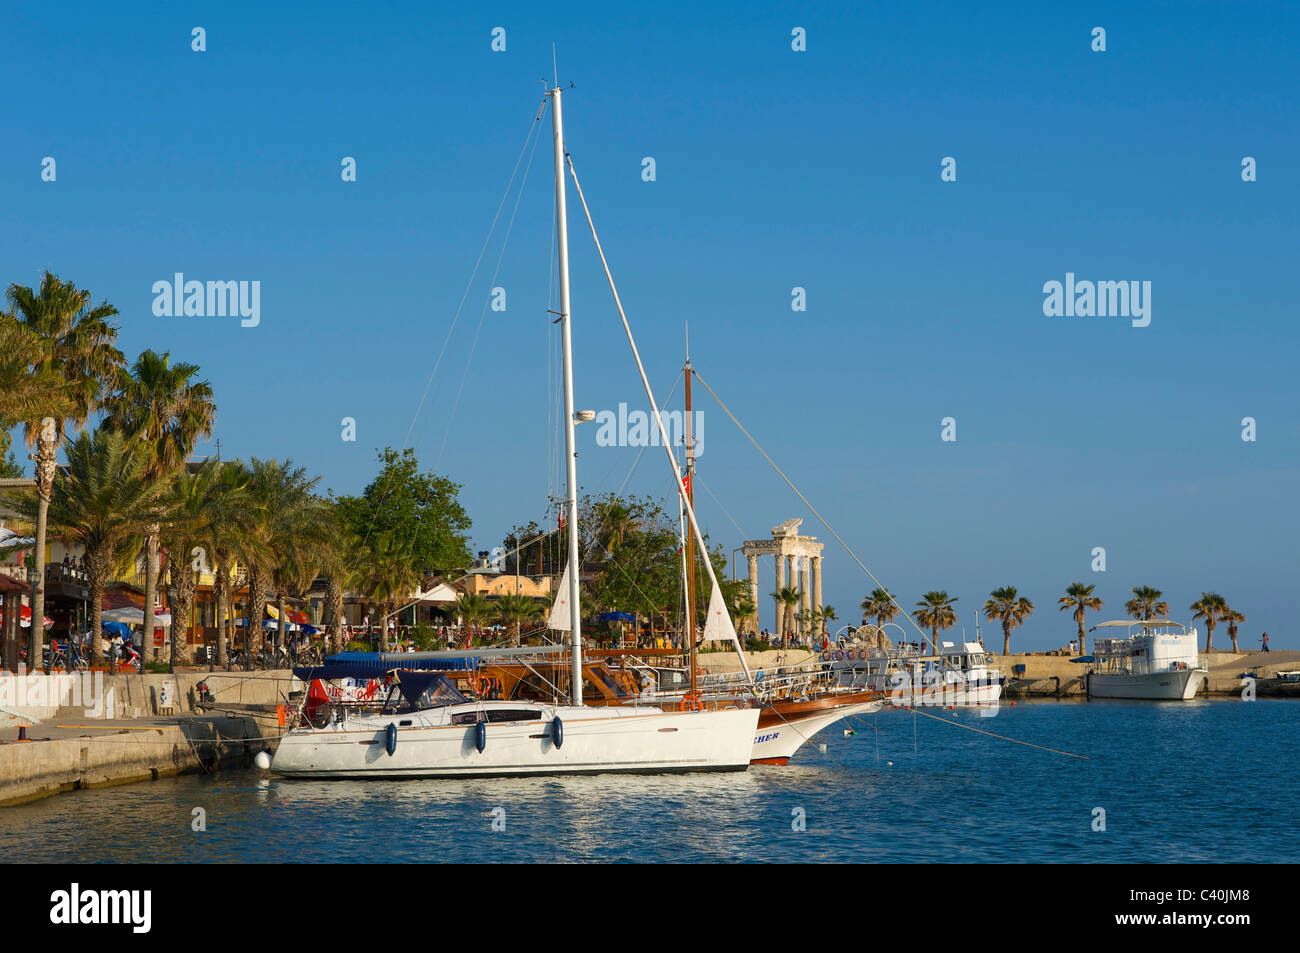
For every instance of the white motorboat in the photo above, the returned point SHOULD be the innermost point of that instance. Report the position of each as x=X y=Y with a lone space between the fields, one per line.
x=960 y=675
x=427 y=728
x=1155 y=659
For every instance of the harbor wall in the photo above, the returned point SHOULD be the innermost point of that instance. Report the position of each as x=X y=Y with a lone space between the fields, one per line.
x=30 y=770
x=34 y=697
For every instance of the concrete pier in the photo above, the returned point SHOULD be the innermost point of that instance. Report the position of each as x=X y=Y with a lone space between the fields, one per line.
x=119 y=730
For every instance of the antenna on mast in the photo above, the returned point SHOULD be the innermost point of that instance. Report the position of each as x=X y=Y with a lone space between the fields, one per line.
x=555 y=70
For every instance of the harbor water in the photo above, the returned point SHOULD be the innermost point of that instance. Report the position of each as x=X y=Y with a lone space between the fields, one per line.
x=1205 y=781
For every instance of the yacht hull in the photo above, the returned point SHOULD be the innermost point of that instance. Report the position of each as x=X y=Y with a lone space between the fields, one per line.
x=1160 y=686
x=776 y=742
x=593 y=741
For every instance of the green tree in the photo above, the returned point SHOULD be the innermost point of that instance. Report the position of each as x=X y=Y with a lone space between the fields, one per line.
x=935 y=611
x=1005 y=606
x=1146 y=604
x=190 y=504
x=1080 y=599
x=787 y=598
x=1209 y=607
x=403 y=501
x=77 y=343
x=515 y=610
x=102 y=501
x=163 y=411
x=1234 y=620
x=473 y=610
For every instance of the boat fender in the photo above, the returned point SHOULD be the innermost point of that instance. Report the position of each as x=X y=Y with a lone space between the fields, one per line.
x=390 y=741
x=557 y=732
x=480 y=736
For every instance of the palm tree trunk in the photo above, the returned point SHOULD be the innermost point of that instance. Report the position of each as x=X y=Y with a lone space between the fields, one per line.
x=1006 y=637
x=1233 y=635
x=282 y=624
x=334 y=607
x=151 y=593
x=1082 y=635
x=223 y=607
x=256 y=609
x=181 y=617
x=45 y=466
x=1209 y=634
x=97 y=571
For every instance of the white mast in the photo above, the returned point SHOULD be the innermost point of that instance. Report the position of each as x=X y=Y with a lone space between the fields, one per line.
x=570 y=447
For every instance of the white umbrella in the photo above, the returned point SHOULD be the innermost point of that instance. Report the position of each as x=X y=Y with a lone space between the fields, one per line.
x=133 y=616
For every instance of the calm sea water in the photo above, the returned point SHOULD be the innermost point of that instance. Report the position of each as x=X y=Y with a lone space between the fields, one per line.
x=1199 y=782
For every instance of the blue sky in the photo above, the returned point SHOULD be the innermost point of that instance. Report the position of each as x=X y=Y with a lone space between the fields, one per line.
x=775 y=169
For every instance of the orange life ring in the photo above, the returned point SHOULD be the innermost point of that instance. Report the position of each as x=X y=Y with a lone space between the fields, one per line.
x=481 y=684
x=689 y=703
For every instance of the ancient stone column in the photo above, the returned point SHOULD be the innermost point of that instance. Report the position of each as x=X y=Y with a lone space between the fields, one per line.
x=805 y=595
x=753 y=588
x=780 y=584
x=817 y=582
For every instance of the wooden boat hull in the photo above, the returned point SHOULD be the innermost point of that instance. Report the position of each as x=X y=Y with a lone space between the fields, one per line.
x=783 y=730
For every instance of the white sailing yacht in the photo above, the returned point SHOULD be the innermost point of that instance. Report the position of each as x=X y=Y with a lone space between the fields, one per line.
x=427 y=728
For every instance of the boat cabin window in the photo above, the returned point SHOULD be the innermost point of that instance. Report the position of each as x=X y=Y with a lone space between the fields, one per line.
x=496 y=715
x=414 y=691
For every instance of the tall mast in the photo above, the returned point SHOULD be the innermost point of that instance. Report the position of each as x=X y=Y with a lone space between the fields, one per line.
x=570 y=447
x=689 y=481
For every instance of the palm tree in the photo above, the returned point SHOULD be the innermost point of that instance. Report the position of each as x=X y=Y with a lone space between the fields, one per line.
x=27 y=391
x=76 y=343
x=1080 y=598
x=743 y=607
x=389 y=575
x=1234 y=619
x=1146 y=604
x=285 y=521
x=102 y=501
x=191 y=503
x=473 y=610
x=164 y=412
x=828 y=616
x=1209 y=607
x=788 y=597
x=1011 y=610
x=935 y=611
x=515 y=610
x=883 y=607
x=229 y=537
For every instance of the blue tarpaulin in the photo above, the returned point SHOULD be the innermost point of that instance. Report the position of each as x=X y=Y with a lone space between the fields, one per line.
x=617 y=617
x=376 y=664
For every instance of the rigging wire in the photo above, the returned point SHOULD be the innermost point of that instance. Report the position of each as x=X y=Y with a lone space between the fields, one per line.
x=433 y=374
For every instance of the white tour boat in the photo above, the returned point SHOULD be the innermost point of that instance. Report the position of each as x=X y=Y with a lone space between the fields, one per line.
x=1155 y=659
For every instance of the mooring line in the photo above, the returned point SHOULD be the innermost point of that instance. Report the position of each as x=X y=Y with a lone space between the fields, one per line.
x=1028 y=744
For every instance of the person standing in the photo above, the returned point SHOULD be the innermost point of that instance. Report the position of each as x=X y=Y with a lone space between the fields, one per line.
x=1265 y=641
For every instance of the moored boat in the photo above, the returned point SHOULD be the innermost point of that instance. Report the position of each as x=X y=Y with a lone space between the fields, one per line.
x=1156 y=659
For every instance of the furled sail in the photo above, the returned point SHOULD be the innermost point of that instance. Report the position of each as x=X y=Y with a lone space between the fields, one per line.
x=718 y=627
x=560 y=609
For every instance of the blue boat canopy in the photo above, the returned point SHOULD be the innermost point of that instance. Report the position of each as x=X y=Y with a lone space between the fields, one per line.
x=1083 y=659
x=617 y=617
x=378 y=664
